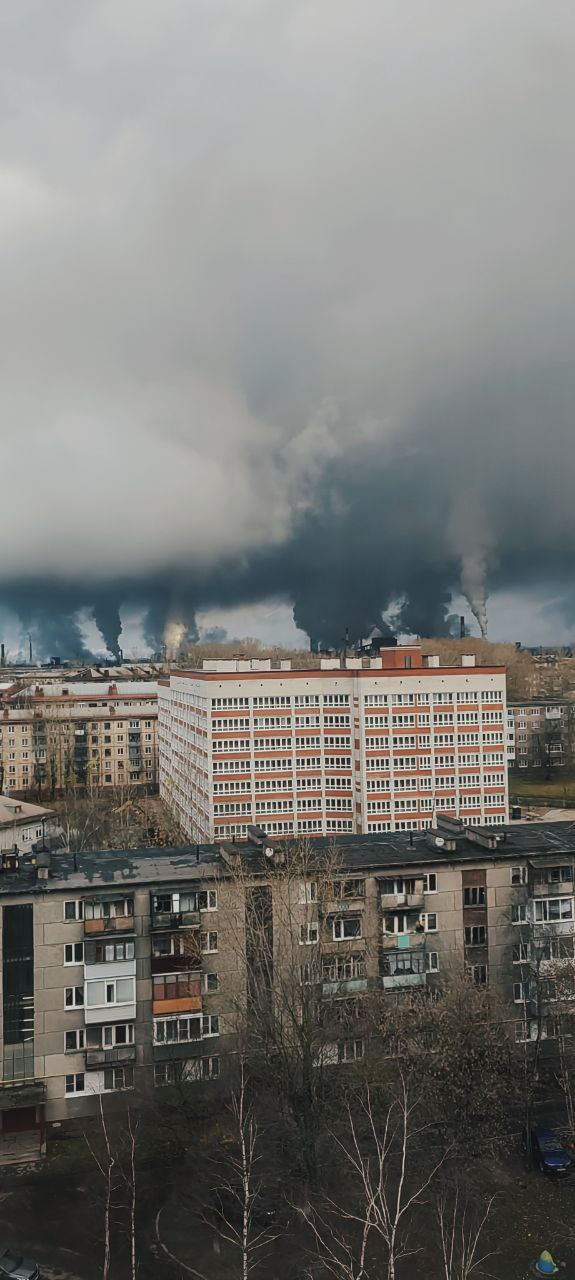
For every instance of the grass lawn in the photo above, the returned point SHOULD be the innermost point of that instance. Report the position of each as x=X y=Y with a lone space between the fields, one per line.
x=560 y=787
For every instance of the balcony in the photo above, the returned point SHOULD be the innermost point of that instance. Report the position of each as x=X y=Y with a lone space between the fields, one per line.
x=403 y=968
x=393 y=981
x=108 y=924
x=554 y=889
x=403 y=901
x=22 y=1093
x=344 y=986
x=109 y=1057
x=412 y=941
x=177 y=994
x=177 y=964
x=175 y=919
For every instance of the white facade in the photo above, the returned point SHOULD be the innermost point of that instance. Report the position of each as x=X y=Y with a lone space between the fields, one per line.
x=361 y=748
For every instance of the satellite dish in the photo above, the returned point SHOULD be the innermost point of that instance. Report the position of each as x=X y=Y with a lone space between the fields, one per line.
x=268 y=851
x=439 y=842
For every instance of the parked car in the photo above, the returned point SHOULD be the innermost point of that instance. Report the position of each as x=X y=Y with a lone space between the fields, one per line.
x=549 y=1151
x=12 y=1264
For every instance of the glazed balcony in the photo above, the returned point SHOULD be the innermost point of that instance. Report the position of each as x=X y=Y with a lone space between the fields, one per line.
x=98 y=1057
x=174 y=993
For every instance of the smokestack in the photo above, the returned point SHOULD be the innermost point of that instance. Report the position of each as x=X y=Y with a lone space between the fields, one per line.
x=30 y=647
x=2 y=655
x=461 y=627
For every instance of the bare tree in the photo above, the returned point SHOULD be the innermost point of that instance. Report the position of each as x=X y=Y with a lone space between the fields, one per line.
x=294 y=1014
x=461 y=1232
x=384 y=1158
x=106 y=1163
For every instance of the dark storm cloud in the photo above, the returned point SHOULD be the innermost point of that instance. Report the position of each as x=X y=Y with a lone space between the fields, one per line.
x=287 y=308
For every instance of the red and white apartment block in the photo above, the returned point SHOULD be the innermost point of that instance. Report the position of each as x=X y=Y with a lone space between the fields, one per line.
x=370 y=745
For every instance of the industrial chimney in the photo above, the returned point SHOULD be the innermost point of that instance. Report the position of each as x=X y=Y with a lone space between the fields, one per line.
x=461 y=627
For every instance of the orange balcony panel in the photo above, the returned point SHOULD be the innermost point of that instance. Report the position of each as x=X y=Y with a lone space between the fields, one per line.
x=187 y=1004
x=117 y=924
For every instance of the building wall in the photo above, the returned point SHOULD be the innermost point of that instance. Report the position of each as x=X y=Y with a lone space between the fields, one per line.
x=101 y=735
x=411 y=931
x=543 y=733
x=333 y=750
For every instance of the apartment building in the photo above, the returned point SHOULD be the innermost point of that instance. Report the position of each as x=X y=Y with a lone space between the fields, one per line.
x=94 y=733
x=370 y=745
x=128 y=970
x=543 y=734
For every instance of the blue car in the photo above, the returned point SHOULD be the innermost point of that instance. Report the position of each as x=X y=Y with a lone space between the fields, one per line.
x=549 y=1152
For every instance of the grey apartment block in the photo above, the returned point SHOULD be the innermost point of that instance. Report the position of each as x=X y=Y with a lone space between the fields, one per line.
x=128 y=970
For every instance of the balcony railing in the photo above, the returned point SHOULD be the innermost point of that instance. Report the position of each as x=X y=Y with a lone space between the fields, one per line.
x=554 y=889
x=175 y=919
x=110 y=1057
x=414 y=941
x=177 y=964
x=403 y=901
x=109 y=924
x=389 y=981
x=22 y=1093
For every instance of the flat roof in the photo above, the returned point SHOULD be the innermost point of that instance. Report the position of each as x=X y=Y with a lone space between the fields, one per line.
x=125 y=869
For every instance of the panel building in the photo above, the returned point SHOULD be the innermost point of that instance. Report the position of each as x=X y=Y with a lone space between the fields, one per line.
x=55 y=734
x=366 y=745
x=129 y=970
x=543 y=734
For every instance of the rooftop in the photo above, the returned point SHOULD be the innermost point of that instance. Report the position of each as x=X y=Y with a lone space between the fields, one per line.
x=125 y=869
x=12 y=811
x=93 y=689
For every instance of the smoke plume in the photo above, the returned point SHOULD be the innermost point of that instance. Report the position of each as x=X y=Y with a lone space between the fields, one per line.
x=288 y=312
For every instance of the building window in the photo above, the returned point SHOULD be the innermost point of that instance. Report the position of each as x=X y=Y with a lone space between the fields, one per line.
x=307 y=891
x=74 y=953
x=75 y=1083
x=520 y=992
x=104 y=952
x=519 y=875
x=430 y=882
x=73 y=997
x=116 y=991
x=479 y=975
x=177 y=1030
x=429 y=921
x=208 y=942
x=346 y=927
x=308 y=933
x=210 y=1025
x=350 y=1050
x=74 y=1040
x=475 y=935
x=118 y=1078
x=474 y=896
x=208 y=900
x=553 y=909
x=520 y=953
x=210 y=982
x=432 y=961
x=519 y=913
x=74 y=910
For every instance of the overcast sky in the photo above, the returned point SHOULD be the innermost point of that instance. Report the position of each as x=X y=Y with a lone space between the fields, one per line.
x=291 y=280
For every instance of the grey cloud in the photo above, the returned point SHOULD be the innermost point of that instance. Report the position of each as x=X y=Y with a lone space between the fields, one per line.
x=287 y=308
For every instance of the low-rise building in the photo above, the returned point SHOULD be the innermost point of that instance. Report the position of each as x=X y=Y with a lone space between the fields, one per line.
x=132 y=969
x=24 y=825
